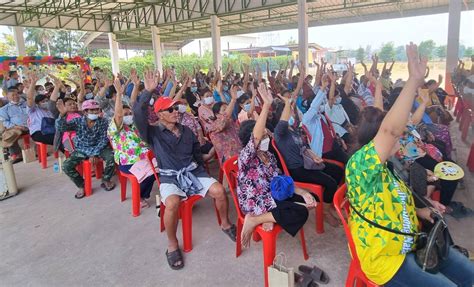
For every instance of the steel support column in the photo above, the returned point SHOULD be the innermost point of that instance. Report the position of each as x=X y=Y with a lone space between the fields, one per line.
x=114 y=53
x=454 y=24
x=303 y=33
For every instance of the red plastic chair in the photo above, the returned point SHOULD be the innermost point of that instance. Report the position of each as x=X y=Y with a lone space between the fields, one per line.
x=470 y=159
x=313 y=188
x=42 y=150
x=26 y=141
x=308 y=135
x=85 y=170
x=268 y=237
x=123 y=177
x=466 y=120
x=355 y=275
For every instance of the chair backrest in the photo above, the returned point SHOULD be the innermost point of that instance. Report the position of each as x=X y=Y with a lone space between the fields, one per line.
x=150 y=155
x=342 y=206
x=231 y=170
x=306 y=131
x=280 y=156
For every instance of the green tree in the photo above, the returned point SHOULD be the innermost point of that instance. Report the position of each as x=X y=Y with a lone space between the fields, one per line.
x=469 y=52
x=7 y=45
x=387 y=52
x=400 y=54
x=426 y=48
x=66 y=43
x=40 y=38
x=360 y=54
x=461 y=51
x=441 y=51
x=291 y=41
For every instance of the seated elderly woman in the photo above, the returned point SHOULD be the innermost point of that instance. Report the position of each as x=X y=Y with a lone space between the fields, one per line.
x=257 y=169
x=90 y=142
x=380 y=201
x=128 y=147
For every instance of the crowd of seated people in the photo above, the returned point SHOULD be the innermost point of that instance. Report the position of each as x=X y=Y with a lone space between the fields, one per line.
x=319 y=124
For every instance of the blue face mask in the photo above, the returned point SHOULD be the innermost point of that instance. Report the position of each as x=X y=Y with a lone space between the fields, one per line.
x=194 y=89
x=291 y=121
x=338 y=100
x=247 y=107
x=226 y=88
x=89 y=96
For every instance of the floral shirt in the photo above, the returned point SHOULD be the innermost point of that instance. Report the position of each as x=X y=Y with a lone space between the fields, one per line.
x=224 y=137
x=205 y=117
x=186 y=119
x=127 y=145
x=254 y=178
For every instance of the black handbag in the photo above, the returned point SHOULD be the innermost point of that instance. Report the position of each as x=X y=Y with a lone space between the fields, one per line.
x=308 y=161
x=432 y=244
x=48 y=126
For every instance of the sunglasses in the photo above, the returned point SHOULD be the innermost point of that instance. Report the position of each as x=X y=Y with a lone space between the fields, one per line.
x=171 y=109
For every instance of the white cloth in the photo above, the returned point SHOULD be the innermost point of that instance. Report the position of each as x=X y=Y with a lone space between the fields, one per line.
x=338 y=116
x=167 y=189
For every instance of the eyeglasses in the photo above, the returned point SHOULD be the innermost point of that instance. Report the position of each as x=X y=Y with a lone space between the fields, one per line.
x=171 y=109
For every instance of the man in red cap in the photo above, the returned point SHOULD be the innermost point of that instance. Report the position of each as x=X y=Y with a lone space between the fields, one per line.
x=179 y=158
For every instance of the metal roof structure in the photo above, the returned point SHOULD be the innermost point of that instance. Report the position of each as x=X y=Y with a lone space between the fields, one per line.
x=180 y=20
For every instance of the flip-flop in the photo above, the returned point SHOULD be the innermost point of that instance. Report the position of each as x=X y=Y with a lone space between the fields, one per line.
x=304 y=280
x=107 y=188
x=231 y=232
x=174 y=257
x=461 y=212
x=316 y=273
x=81 y=196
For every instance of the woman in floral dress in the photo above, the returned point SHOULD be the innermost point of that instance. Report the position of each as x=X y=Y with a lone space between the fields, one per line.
x=257 y=168
x=127 y=145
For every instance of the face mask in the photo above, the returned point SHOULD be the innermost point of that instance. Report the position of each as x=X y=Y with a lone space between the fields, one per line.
x=239 y=94
x=182 y=109
x=152 y=101
x=338 y=100
x=194 y=89
x=41 y=92
x=226 y=88
x=92 y=117
x=291 y=121
x=128 y=120
x=321 y=109
x=209 y=100
x=44 y=105
x=247 y=107
x=264 y=144
x=89 y=96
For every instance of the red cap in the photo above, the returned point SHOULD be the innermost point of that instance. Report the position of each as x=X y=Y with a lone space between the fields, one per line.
x=163 y=103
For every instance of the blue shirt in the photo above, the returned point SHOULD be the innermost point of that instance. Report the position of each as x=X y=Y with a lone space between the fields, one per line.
x=426 y=118
x=14 y=115
x=89 y=141
x=312 y=120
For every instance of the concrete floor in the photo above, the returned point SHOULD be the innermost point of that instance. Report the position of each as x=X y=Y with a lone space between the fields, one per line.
x=48 y=238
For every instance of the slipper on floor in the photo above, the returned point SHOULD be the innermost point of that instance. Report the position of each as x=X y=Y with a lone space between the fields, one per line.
x=304 y=280
x=174 y=257
x=107 y=188
x=317 y=274
x=80 y=196
x=231 y=232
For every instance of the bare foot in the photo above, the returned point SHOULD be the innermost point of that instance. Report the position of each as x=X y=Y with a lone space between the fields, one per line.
x=268 y=226
x=144 y=203
x=247 y=229
x=329 y=218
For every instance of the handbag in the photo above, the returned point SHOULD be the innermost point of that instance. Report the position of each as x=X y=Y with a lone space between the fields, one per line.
x=279 y=275
x=308 y=161
x=432 y=245
x=47 y=126
x=28 y=155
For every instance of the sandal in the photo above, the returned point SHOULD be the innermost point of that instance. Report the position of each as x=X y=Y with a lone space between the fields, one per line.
x=317 y=274
x=81 y=195
x=231 y=232
x=107 y=186
x=173 y=257
x=304 y=280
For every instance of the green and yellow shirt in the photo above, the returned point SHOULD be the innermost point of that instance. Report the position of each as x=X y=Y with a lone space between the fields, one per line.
x=380 y=197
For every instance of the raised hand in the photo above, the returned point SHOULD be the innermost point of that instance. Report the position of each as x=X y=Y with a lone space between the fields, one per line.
x=424 y=94
x=134 y=77
x=265 y=94
x=150 y=80
x=324 y=82
x=233 y=92
x=416 y=66
x=61 y=107
x=118 y=86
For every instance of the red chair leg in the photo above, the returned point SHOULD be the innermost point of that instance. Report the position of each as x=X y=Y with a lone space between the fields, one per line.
x=238 y=243
x=436 y=196
x=269 y=249
x=187 y=225
x=470 y=159
x=87 y=167
x=162 y=217
x=123 y=187
x=99 y=169
x=135 y=197
x=26 y=141
x=43 y=155
x=56 y=154
x=303 y=244
x=256 y=237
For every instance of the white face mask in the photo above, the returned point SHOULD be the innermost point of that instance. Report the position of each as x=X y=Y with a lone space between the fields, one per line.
x=338 y=100
x=92 y=117
x=128 y=120
x=264 y=144
x=43 y=105
x=152 y=101
x=209 y=100
x=182 y=109
x=247 y=107
x=42 y=92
